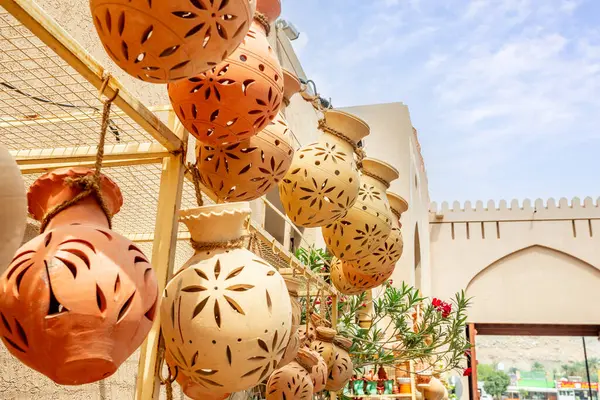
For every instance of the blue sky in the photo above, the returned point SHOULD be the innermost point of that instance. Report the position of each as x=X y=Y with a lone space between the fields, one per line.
x=505 y=94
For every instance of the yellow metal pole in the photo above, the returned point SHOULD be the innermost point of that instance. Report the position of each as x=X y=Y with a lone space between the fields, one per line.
x=163 y=259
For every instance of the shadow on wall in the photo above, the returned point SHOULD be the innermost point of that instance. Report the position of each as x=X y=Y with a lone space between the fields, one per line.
x=417 y=258
x=536 y=285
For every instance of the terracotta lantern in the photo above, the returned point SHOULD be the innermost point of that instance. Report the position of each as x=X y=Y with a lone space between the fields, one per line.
x=385 y=257
x=353 y=278
x=248 y=169
x=307 y=334
x=291 y=350
x=343 y=368
x=78 y=299
x=13 y=208
x=163 y=41
x=323 y=182
x=226 y=315
x=293 y=382
x=323 y=344
x=369 y=222
x=191 y=389
x=235 y=99
x=318 y=373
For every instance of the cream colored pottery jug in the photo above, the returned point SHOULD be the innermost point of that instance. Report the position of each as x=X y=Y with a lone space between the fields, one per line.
x=293 y=382
x=294 y=344
x=369 y=222
x=323 y=344
x=435 y=391
x=13 y=208
x=226 y=315
x=323 y=182
x=343 y=368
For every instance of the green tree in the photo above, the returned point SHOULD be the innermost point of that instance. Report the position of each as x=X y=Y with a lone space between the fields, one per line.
x=484 y=370
x=538 y=367
x=496 y=384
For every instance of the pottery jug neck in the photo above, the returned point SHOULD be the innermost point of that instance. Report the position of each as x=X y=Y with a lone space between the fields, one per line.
x=354 y=128
x=217 y=223
x=85 y=212
x=341 y=144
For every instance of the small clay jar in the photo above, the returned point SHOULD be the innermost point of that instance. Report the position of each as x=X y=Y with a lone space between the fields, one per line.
x=435 y=390
x=13 y=208
x=163 y=41
x=78 y=299
x=190 y=388
x=291 y=350
x=368 y=223
x=226 y=315
x=235 y=99
x=307 y=334
x=293 y=284
x=291 y=86
x=322 y=183
x=343 y=368
x=323 y=344
x=293 y=382
x=318 y=373
x=248 y=169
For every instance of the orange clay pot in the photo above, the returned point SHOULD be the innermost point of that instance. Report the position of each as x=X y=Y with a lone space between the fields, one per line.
x=343 y=368
x=236 y=99
x=269 y=8
x=318 y=373
x=191 y=389
x=369 y=222
x=293 y=382
x=323 y=182
x=13 y=208
x=226 y=315
x=78 y=299
x=163 y=41
x=307 y=335
x=249 y=169
x=323 y=344
x=386 y=255
x=291 y=86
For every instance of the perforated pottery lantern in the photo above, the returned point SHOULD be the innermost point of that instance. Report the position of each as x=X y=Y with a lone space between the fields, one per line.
x=369 y=222
x=78 y=299
x=355 y=277
x=323 y=182
x=248 y=169
x=295 y=342
x=318 y=373
x=343 y=368
x=163 y=41
x=293 y=382
x=226 y=315
x=235 y=99
x=13 y=208
x=323 y=344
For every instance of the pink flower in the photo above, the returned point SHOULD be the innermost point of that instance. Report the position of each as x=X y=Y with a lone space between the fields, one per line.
x=363 y=305
x=468 y=372
x=436 y=302
x=391 y=282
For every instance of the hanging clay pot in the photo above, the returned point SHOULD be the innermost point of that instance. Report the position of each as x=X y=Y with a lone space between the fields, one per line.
x=293 y=382
x=385 y=257
x=163 y=41
x=323 y=344
x=343 y=368
x=291 y=86
x=237 y=98
x=248 y=169
x=323 y=182
x=353 y=283
x=291 y=349
x=269 y=8
x=318 y=373
x=307 y=334
x=13 y=208
x=191 y=389
x=369 y=222
x=226 y=315
x=435 y=390
x=78 y=299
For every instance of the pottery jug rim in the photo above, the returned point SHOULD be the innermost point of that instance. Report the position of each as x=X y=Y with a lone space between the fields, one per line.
x=46 y=185
x=342 y=341
x=307 y=358
x=215 y=210
x=326 y=334
x=397 y=202
x=270 y=8
x=380 y=168
x=350 y=125
x=291 y=84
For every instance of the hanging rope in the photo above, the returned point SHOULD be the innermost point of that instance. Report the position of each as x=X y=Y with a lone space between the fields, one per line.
x=196 y=179
x=396 y=213
x=168 y=381
x=264 y=21
x=326 y=128
x=226 y=245
x=376 y=177
x=90 y=185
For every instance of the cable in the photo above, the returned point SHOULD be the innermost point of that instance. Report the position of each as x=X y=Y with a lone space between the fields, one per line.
x=114 y=129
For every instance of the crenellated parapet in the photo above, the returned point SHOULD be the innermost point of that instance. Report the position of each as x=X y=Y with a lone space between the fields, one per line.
x=527 y=210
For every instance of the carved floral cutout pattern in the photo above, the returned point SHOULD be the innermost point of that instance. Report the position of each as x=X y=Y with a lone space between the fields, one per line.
x=76 y=281
x=236 y=99
x=291 y=382
x=328 y=191
x=163 y=41
x=341 y=371
x=249 y=169
x=381 y=259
